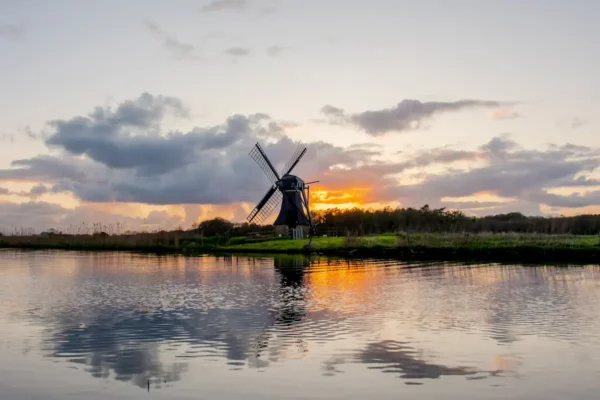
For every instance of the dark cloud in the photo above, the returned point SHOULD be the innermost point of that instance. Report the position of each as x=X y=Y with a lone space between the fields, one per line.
x=128 y=137
x=38 y=190
x=11 y=31
x=45 y=168
x=237 y=51
x=223 y=5
x=406 y=115
x=334 y=112
x=34 y=192
x=176 y=47
x=574 y=200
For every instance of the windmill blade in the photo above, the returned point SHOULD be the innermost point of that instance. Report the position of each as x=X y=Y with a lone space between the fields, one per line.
x=266 y=206
x=298 y=154
x=258 y=155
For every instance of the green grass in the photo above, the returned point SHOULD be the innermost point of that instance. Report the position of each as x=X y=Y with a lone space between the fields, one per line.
x=445 y=246
x=431 y=240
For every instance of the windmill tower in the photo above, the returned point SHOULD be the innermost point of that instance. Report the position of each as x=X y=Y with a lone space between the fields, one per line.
x=287 y=190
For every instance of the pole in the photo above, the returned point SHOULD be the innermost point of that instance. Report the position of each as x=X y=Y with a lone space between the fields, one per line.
x=311 y=230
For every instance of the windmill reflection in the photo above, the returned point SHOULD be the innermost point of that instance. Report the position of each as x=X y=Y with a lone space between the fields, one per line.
x=290 y=307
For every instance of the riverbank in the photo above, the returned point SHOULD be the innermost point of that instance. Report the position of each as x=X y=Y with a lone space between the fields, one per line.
x=443 y=246
x=418 y=246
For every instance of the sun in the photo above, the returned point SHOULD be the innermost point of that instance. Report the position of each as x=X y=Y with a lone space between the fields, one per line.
x=323 y=198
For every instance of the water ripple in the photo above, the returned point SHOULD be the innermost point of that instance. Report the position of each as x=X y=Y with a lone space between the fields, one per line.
x=142 y=318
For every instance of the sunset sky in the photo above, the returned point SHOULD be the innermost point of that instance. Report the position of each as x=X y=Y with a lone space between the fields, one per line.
x=143 y=112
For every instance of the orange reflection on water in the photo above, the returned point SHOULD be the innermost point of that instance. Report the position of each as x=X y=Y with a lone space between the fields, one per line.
x=342 y=284
x=505 y=362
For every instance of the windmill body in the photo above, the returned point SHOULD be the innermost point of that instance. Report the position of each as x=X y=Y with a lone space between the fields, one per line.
x=291 y=213
x=289 y=192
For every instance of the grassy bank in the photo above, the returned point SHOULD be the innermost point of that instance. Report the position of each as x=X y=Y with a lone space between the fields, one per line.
x=154 y=242
x=424 y=246
x=444 y=246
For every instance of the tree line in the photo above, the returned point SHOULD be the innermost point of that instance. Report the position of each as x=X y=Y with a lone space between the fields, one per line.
x=425 y=219
x=359 y=221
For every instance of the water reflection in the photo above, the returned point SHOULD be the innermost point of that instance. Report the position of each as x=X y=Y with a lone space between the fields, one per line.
x=127 y=342
x=403 y=360
x=136 y=318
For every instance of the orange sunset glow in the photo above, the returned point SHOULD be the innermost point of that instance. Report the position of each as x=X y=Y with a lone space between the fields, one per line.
x=322 y=198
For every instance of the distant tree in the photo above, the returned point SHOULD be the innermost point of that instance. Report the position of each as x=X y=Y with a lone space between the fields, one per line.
x=213 y=227
x=426 y=219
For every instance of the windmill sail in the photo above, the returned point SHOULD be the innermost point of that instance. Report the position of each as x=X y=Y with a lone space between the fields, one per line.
x=298 y=154
x=258 y=155
x=266 y=206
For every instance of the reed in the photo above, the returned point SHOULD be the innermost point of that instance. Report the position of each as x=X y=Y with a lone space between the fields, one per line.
x=95 y=236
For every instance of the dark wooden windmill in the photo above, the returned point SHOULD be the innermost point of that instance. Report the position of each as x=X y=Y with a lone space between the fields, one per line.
x=287 y=190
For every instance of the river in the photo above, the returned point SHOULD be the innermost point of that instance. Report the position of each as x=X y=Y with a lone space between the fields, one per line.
x=116 y=325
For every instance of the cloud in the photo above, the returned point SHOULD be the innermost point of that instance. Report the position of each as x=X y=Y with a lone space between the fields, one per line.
x=275 y=51
x=11 y=31
x=173 y=45
x=503 y=113
x=122 y=154
x=224 y=5
x=574 y=200
x=237 y=51
x=127 y=137
x=573 y=123
x=38 y=190
x=44 y=167
x=576 y=123
x=407 y=115
x=267 y=7
x=511 y=172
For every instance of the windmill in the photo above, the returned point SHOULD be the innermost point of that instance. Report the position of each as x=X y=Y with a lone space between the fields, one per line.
x=288 y=190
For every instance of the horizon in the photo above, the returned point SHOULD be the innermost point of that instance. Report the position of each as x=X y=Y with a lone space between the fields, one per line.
x=147 y=115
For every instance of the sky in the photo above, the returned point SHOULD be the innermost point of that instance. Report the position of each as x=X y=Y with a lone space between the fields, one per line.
x=142 y=113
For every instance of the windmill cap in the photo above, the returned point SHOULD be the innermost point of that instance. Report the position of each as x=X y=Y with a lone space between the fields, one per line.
x=291 y=182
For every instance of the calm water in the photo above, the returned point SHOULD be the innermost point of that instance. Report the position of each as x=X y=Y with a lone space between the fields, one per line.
x=103 y=325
